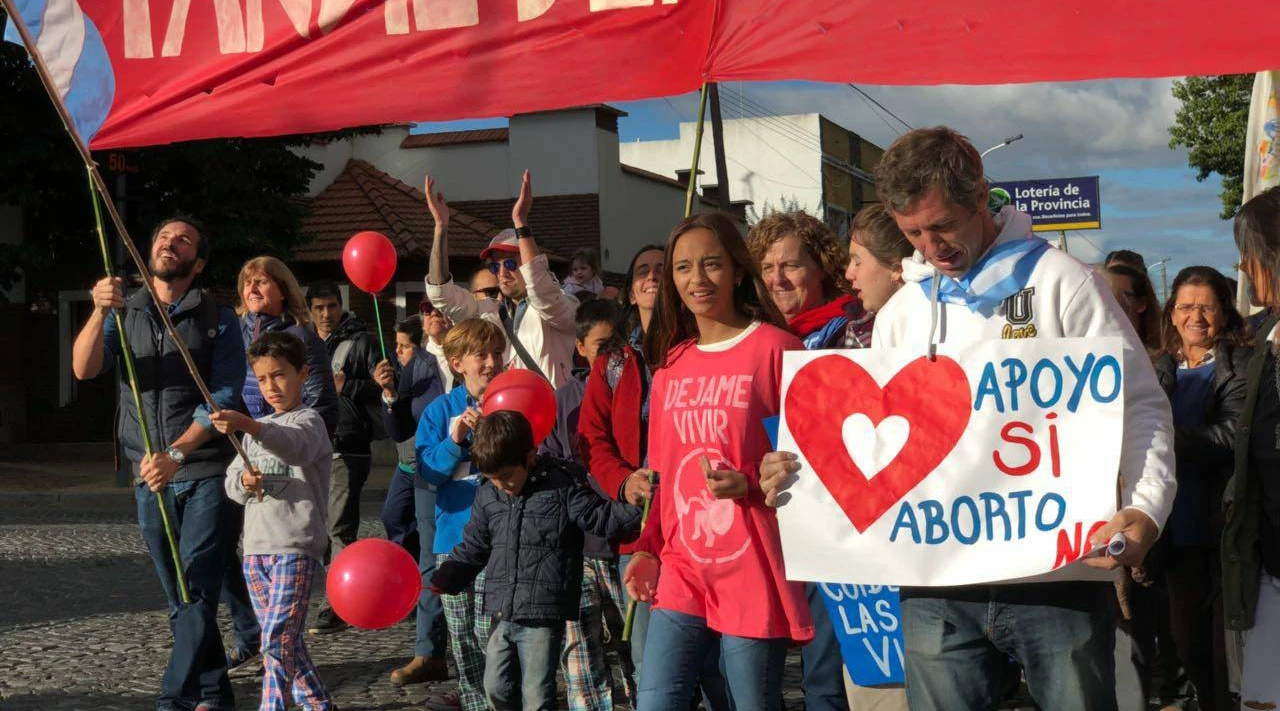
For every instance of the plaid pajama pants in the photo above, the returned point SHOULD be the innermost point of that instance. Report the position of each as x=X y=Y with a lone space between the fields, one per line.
x=588 y=676
x=469 y=630
x=280 y=587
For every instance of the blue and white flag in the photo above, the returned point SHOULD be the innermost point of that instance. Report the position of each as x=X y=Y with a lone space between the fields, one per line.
x=73 y=50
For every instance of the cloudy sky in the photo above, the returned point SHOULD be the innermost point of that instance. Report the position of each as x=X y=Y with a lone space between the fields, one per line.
x=1117 y=129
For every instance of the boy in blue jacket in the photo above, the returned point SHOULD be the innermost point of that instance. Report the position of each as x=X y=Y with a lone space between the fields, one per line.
x=474 y=349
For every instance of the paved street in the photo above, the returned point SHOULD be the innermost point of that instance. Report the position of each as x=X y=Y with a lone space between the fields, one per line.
x=82 y=622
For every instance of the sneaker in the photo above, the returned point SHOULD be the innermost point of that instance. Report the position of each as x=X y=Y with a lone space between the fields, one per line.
x=448 y=701
x=327 y=622
x=420 y=670
x=242 y=662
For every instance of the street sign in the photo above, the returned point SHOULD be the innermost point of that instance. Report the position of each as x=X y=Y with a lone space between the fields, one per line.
x=1053 y=203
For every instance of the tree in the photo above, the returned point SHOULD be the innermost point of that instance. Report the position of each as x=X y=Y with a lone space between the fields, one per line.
x=1211 y=124
x=247 y=191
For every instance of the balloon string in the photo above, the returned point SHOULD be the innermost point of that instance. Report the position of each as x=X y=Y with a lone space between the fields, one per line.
x=377 y=317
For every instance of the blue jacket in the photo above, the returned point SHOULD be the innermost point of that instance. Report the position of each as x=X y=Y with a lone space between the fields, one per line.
x=318 y=392
x=447 y=465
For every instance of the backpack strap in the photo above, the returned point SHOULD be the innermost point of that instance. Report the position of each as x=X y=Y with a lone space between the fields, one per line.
x=340 y=354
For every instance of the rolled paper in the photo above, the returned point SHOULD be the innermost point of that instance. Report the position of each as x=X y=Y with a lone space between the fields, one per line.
x=1116 y=545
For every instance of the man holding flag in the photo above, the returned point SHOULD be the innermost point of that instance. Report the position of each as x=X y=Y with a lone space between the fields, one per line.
x=188 y=458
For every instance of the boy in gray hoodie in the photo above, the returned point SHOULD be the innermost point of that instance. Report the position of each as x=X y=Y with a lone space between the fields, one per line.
x=285 y=492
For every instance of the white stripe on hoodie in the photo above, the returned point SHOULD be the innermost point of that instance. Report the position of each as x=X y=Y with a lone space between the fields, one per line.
x=1071 y=300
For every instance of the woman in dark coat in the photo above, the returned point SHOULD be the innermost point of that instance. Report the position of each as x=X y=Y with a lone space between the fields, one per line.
x=1201 y=366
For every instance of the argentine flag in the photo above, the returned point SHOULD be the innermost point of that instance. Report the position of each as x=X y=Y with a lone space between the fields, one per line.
x=77 y=59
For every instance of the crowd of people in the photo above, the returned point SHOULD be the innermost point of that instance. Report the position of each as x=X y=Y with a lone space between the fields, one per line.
x=532 y=553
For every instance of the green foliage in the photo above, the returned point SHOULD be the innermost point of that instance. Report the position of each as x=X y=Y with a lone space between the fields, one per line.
x=246 y=190
x=1211 y=124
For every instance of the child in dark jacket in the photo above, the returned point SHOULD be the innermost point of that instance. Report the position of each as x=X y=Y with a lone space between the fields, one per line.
x=525 y=533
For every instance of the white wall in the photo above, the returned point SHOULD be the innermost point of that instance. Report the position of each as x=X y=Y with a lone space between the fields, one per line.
x=561 y=149
x=768 y=160
x=650 y=210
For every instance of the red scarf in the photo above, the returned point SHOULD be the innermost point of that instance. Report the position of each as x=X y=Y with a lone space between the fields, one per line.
x=806 y=322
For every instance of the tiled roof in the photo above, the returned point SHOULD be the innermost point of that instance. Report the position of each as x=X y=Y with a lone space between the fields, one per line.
x=455 y=138
x=561 y=223
x=365 y=198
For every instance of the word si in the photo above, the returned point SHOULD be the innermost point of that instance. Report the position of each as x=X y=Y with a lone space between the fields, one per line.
x=243 y=30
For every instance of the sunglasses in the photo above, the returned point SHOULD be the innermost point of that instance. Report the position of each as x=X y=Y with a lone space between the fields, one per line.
x=491 y=292
x=509 y=264
x=426 y=308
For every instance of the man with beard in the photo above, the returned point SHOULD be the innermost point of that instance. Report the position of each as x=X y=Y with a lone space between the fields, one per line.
x=189 y=458
x=354 y=355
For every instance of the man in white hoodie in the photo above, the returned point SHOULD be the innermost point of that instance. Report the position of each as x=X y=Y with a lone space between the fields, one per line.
x=978 y=277
x=534 y=313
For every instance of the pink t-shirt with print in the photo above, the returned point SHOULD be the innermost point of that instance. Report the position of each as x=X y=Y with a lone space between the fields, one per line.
x=722 y=559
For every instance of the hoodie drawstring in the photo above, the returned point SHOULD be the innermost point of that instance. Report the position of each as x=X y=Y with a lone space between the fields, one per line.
x=933 y=316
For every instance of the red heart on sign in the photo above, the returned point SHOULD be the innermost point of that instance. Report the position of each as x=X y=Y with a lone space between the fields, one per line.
x=932 y=396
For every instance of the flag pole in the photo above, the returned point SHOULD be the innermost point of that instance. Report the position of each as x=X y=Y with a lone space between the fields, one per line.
x=96 y=178
x=184 y=593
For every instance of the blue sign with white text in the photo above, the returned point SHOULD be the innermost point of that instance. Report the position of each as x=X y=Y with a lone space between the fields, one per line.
x=868 y=624
x=1053 y=203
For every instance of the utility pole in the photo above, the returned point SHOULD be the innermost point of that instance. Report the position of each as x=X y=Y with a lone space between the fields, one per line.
x=717 y=140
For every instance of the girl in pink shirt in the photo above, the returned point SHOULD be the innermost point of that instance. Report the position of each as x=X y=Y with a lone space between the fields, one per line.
x=717 y=342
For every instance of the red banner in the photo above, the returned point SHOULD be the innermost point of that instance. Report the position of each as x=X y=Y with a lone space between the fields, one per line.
x=188 y=69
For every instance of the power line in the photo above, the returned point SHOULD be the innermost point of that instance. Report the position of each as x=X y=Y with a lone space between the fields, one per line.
x=877 y=115
x=858 y=89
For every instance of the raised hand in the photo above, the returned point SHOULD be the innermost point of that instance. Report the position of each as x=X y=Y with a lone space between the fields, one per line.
x=436 y=204
x=520 y=213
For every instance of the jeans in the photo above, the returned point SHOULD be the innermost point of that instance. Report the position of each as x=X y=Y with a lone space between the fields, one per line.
x=235 y=593
x=1061 y=633
x=349 y=474
x=1194 y=578
x=430 y=640
x=678 y=646
x=520 y=666
x=398 y=517
x=197 y=668
x=821 y=663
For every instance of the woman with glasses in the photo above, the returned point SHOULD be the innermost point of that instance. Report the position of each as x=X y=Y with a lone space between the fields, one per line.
x=1202 y=366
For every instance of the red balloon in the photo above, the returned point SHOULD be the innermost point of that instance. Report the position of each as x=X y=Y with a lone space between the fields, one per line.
x=369 y=260
x=373 y=583
x=527 y=393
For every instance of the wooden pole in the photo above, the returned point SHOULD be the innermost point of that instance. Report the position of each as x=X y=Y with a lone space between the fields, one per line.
x=697 y=153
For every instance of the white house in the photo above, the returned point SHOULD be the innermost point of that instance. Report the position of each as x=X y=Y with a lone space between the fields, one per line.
x=775 y=160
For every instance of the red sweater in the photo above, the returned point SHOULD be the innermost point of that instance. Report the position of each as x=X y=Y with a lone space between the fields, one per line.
x=609 y=423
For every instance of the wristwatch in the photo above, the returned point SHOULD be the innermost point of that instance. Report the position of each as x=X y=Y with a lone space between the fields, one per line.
x=525 y=231
x=176 y=455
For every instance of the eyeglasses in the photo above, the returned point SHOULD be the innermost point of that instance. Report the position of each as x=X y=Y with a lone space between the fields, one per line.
x=491 y=292
x=509 y=264
x=1187 y=309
